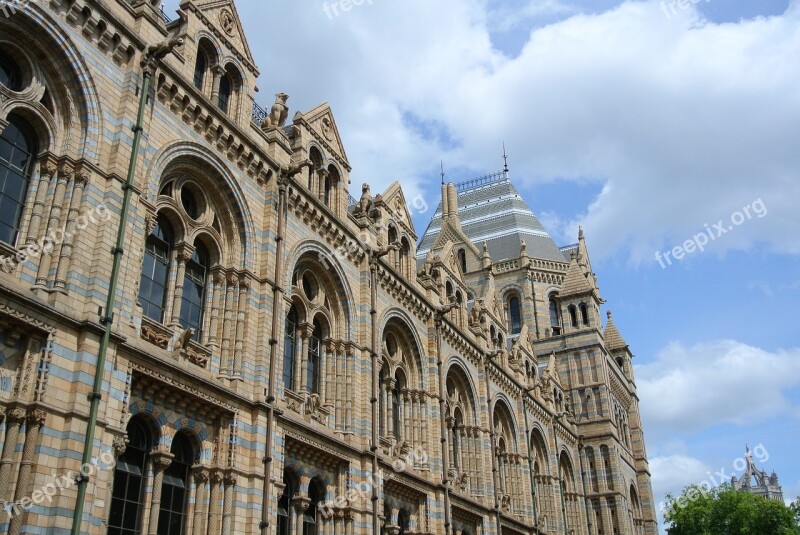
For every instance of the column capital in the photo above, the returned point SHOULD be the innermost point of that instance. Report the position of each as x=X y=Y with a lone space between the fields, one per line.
x=201 y=473
x=217 y=477
x=161 y=459
x=301 y=503
x=36 y=417
x=17 y=414
x=119 y=444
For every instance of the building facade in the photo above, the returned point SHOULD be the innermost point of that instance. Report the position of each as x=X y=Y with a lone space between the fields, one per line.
x=283 y=358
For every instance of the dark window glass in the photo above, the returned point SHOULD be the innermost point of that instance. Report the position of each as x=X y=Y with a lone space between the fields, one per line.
x=289 y=349
x=10 y=73
x=573 y=315
x=200 y=69
x=284 y=505
x=225 y=89
x=316 y=493
x=155 y=271
x=129 y=473
x=396 y=410
x=555 y=321
x=515 y=315
x=189 y=202
x=327 y=192
x=462 y=260
x=174 y=489
x=194 y=290
x=314 y=358
x=584 y=314
x=17 y=151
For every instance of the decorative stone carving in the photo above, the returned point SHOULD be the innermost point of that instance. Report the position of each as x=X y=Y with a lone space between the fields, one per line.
x=278 y=114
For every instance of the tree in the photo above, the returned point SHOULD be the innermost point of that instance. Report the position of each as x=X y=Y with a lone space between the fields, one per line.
x=726 y=511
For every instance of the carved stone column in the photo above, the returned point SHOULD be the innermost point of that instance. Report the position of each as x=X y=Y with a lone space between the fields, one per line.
x=201 y=474
x=241 y=322
x=46 y=173
x=161 y=461
x=228 y=326
x=213 y=326
x=184 y=255
x=227 y=509
x=301 y=505
x=13 y=425
x=53 y=224
x=217 y=71
x=35 y=421
x=301 y=367
x=81 y=179
x=215 y=502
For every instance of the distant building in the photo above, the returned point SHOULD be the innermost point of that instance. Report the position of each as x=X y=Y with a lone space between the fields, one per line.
x=757 y=482
x=284 y=359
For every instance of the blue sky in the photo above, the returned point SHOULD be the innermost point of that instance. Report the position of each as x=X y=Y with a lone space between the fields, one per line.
x=638 y=122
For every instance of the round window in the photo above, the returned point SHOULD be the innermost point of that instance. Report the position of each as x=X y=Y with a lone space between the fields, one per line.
x=189 y=201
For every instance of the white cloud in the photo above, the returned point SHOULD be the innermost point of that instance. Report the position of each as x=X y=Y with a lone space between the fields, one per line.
x=688 y=389
x=684 y=121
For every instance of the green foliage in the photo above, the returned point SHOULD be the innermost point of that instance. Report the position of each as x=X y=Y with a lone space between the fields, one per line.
x=725 y=511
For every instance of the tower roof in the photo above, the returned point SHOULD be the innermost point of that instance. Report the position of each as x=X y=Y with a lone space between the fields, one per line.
x=614 y=340
x=491 y=210
x=576 y=280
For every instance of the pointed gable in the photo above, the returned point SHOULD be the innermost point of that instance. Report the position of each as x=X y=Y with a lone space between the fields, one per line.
x=395 y=201
x=613 y=339
x=224 y=17
x=576 y=281
x=322 y=125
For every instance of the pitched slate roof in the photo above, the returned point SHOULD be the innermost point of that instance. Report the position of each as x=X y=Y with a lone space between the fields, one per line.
x=491 y=210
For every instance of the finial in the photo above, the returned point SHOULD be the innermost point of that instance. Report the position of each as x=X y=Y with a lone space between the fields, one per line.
x=580 y=233
x=608 y=314
x=442 y=172
x=505 y=158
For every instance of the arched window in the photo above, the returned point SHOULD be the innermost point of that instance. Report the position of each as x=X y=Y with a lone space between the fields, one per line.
x=200 y=66
x=194 y=290
x=17 y=152
x=289 y=348
x=326 y=191
x=285 y=502
x=584 y=313
x=396 y=406
x=555 y=317
x=175 y=488
x=501 y=459
x=381 y=403
x=403 y=254
x=573 y=315
x=462 y=260
x=514 y=315
x=225 y=92
x=127 y=498
x=458 y=425
x=155 y=270
x=403 y=521
x=313 y=370
x=316 y=492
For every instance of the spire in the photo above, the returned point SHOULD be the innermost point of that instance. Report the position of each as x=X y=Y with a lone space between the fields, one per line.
x=613 y=339
x=505 y=160
x=575 y=281
x=442 y=172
